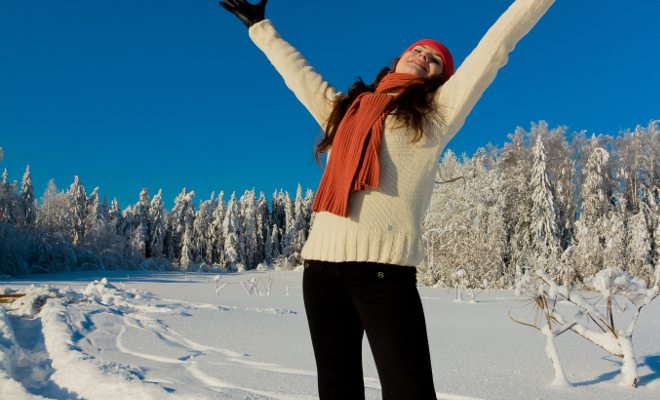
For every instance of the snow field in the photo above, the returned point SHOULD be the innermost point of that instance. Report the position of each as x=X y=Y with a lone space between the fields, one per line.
x=172 y=335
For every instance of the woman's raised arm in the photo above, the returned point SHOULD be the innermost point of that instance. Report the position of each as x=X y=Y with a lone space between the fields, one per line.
x=309 y=86
x=461 y=92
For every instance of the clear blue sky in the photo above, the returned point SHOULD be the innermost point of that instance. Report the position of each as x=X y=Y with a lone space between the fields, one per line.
x=167 y=94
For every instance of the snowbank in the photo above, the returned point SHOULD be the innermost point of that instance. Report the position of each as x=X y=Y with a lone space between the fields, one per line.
x=9 y=388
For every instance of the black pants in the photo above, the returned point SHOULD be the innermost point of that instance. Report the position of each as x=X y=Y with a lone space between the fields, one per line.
x=342 y=301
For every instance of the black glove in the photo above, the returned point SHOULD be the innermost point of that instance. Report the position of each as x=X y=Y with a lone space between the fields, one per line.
x=248 y=13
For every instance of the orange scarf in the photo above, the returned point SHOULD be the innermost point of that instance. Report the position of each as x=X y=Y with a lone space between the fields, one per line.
x=356 y=146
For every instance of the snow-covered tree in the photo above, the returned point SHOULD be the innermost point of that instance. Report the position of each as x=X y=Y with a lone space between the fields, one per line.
x=201 y=250
x=180 y=219
x=594 y=205
x=231 y=229
x=639 y=248
x=9 y=210
x=248 y=208
x=77 y=207
x=289 y=235
x=263 y=227
x=545 y=239
x=186 y=248
x=29 y=201
x=157 y=227
x=217 y=234
x=271 y=247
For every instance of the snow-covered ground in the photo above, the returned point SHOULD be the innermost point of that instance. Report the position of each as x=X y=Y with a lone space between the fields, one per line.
x=160 y=335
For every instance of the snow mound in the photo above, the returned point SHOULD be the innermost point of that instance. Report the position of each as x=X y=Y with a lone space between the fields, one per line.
x=105 y=293
x=9 y=388
x=37 y=295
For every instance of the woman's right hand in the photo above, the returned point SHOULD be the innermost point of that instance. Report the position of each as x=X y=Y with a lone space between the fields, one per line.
x=248 y=13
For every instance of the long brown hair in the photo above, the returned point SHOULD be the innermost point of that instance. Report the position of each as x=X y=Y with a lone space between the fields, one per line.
x=412 y=107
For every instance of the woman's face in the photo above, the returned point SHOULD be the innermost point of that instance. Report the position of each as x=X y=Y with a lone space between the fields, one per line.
x=422 y=61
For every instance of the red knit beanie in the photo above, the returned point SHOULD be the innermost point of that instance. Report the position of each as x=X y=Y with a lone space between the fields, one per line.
x=443 y=51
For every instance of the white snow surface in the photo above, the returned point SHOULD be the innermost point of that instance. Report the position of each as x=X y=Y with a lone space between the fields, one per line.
x=153 y=335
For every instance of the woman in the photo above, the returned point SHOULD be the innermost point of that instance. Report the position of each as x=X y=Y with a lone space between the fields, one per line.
x=365 y=241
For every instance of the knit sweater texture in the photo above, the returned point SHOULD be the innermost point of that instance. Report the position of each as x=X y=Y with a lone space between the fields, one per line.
x=385 y=224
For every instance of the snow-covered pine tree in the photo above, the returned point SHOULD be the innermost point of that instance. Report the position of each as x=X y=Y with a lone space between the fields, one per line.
x=181 y=218
x=210 y=231
x=93 y=210
x=116 y=217
x=231 y=230
x=594 y=204
x=217 y=234
x=288 y=237
x=201 y=251
x=273 y=245
x=7 y=212
x=263 y=225
x=186 y=260
x=139 y=230
x=29 y=201
x=249 y=228
x=277 y=210
x=545 y=240
x=309 y=214
x=299 y=221
x=157 y=226
x=77 y=207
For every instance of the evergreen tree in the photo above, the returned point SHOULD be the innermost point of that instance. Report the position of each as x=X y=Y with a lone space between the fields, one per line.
x=157 y=227
x=180 y=219
x=7 y=213
x=218 y=238
x=249 y=228
x=201 y=252
x=272 y=245
x=309 y=214
x=116 y=218
x=29 y=201
x=231 y=229
x=594 y=204
x=545 y=240
x=77 y=207
x=277 y=210
x=263 y=225
x=93 y=211
x=186 y=248
x=289 y=235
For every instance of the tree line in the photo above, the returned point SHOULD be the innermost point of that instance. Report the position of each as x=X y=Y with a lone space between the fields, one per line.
x=572 y=207
x=73 y=230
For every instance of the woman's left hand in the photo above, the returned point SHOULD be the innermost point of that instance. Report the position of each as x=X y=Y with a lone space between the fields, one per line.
x=248 y=13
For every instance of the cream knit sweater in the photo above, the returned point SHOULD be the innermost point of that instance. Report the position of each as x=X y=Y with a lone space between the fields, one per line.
x=384 y=224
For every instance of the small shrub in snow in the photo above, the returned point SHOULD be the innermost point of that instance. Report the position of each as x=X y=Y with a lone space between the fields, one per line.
x=614 y=286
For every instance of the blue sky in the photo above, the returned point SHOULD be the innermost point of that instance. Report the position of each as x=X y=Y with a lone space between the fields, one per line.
x=167 y=94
